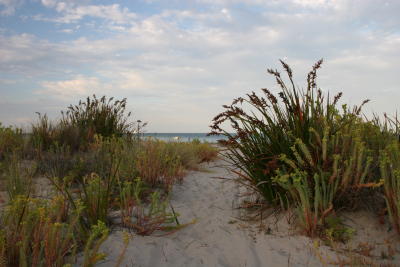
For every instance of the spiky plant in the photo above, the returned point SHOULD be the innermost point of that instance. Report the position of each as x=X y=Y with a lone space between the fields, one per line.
x=267 y=126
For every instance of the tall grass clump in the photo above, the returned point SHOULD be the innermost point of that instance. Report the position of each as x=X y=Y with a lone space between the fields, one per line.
x=43 y=133
x=272 y=125
x=102 y=116
x=80 y=123
x=297 y=147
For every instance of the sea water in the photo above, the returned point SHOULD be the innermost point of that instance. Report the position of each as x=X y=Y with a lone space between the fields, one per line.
x=185 y=137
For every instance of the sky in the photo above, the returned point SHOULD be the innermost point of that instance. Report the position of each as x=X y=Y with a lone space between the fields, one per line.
x=178 y=62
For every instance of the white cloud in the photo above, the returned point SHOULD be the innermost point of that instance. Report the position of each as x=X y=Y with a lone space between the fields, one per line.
x=8 y=7
x=80 y=86
x=73 y=12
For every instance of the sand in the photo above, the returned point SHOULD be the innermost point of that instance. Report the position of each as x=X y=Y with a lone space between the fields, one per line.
x=219 y=238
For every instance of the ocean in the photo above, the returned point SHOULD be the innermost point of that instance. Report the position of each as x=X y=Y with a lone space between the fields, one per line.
x=184 y=137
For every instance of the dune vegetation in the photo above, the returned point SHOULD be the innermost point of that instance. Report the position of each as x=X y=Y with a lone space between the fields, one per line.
x=301 y=150
x=100 y=174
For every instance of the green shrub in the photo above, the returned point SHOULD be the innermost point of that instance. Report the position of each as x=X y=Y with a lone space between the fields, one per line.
x=11 y=140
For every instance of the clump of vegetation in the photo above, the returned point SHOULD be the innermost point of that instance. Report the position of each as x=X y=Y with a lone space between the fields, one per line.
x=18 y=178
x=102 y=116
x=97 y=163
x=164 y=163
x=38 y=232
x=11 y=140
x=80 y=124
x=298 y=148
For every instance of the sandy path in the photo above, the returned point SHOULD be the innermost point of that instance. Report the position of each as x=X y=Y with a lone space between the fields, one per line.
x=214 y=240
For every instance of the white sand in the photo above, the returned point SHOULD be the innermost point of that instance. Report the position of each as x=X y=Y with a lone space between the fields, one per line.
x=218 y=238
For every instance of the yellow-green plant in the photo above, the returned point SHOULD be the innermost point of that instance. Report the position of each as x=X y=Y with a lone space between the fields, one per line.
x=99 y=233
x=38 y=232
x=324 y=174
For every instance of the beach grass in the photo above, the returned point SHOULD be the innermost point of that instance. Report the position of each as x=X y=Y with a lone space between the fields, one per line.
x=299 y=149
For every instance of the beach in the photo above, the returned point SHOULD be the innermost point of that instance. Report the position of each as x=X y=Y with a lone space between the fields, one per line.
x=216 y=235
